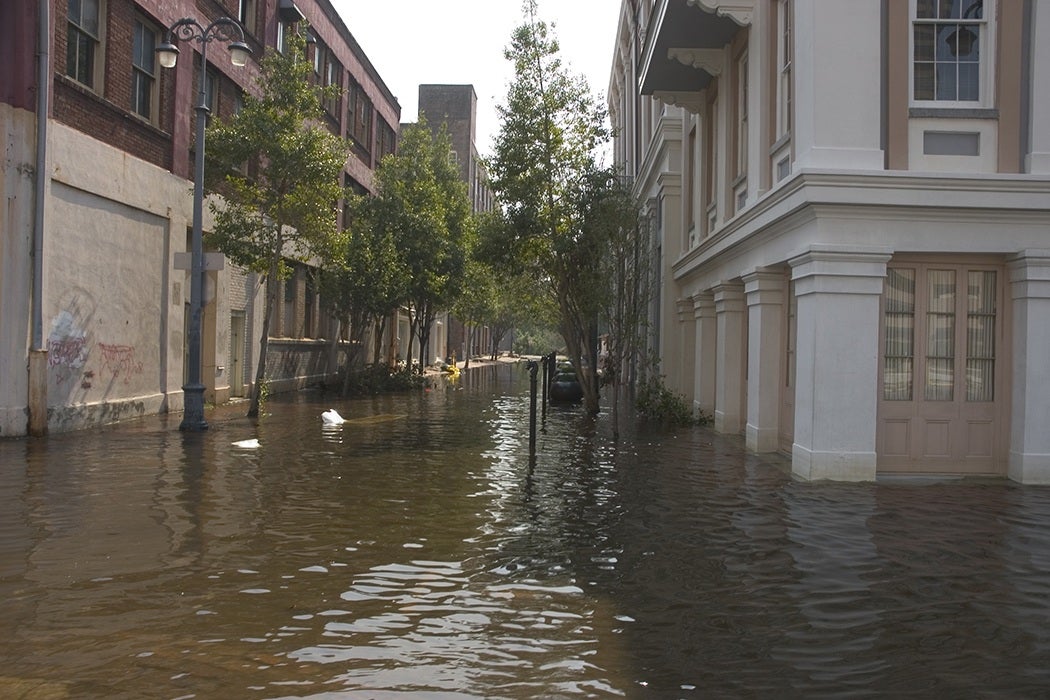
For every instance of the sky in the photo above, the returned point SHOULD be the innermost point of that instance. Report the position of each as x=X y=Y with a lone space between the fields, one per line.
x=455 y=42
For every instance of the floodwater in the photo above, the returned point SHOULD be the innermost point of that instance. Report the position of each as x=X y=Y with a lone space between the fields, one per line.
x=416 y=552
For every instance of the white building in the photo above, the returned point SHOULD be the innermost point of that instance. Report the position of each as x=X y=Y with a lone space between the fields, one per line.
x=851 y=200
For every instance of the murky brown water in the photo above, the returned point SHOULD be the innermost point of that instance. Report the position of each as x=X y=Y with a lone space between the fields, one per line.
x=415 y=552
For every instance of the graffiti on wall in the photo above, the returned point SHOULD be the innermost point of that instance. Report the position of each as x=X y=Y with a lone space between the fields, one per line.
x=120 y=360
x=67 y=349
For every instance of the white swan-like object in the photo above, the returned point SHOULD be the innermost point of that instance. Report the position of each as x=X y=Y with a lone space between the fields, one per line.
x=332 y=417
x=247 y=444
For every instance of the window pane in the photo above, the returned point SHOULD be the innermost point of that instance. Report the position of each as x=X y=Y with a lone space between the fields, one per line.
x=924 y=8
x=981 y=291
x=925 y=36
x=896 y=379
x=945 y=9
x=941 y=286
x=980 y=380
x=940 y=379
x=899 y=324
x=969 y=82
x=980 y=336
x=900 y=290
x=924 y=84
x=940 y=335
x=89 y=16
x=972 y=9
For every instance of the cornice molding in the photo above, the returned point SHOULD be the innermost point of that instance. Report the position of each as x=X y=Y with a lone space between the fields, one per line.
x=740 y=11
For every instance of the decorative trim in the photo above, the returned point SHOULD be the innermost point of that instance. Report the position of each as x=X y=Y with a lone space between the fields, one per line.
x=711 y=61
x=689 y=101
x=740 y=11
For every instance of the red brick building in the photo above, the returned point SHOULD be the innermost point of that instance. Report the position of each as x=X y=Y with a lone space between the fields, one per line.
x=92 y=221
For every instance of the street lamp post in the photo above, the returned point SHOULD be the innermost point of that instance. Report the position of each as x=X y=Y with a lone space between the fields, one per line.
x=226 y=30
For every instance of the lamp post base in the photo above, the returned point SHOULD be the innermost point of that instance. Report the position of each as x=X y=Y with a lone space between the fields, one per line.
x=193 y=408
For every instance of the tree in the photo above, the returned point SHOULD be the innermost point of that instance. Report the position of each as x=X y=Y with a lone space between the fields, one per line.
x=283 y=204
x=421 y=202
x=364 y=282
x=545 y=155
x=612 y=218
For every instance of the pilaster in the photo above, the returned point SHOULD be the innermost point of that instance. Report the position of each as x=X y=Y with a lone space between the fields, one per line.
x=836 y=381
x=706 y=352
x=764 y=290
x=1030 y=411
x=730 y=352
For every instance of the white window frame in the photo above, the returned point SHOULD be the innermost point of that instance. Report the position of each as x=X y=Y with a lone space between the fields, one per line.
x=145 y=72
x=98 y=54
x=986 y=74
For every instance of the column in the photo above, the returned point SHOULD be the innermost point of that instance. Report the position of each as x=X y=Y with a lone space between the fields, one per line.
x=764 y=290
x=1030 y=410
x=730 y=353
x=837 y=369
x=706 y=353
x=684 y=381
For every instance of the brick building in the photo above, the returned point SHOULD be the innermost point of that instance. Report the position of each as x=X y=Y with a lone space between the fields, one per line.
x=99 y=314
x=455 y=108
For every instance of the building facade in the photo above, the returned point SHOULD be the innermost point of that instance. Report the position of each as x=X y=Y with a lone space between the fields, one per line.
x=455 y=107
x=850 y=202
x=97 y=206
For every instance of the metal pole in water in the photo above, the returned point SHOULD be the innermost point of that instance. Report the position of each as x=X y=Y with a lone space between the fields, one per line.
x=532 y=407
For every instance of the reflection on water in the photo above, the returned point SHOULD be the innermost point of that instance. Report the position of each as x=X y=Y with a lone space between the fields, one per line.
x=417 y=551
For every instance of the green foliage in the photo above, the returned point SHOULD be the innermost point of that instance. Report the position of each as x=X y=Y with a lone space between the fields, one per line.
x=656 y=402
x=279 y=172
x=537 y=341
x=380 y=379
x=545 y=152
x=423 y=207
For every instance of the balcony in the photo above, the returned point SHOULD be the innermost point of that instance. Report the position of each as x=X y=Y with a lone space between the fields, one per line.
x=684 y=47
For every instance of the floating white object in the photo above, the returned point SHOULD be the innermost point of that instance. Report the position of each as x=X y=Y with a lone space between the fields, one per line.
x=332 y=417
x=247 y=444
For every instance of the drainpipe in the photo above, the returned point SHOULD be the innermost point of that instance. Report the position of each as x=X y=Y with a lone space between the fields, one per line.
x=37 y=425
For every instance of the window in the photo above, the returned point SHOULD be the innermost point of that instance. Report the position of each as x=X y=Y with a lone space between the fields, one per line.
x=332 y=76
x=282 y=37
x=211 y=90
x=359 y=120
x=143 y=71
x=741 y=115
x=83 y=40
x=709 y=149
x=950 y=51
x=785 y=49
x=689 y=189
x=385 y=142
x=246 y=15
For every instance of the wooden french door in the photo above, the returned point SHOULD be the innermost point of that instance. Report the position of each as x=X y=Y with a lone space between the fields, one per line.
x=942 y=344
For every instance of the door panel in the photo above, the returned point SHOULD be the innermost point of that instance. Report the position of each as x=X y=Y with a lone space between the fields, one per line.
x=941 y=396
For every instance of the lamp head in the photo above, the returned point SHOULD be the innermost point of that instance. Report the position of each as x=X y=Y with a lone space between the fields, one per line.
x=167 y=54
x=239 y=53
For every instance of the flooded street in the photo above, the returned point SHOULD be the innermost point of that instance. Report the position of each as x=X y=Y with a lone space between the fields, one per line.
x=416 y=552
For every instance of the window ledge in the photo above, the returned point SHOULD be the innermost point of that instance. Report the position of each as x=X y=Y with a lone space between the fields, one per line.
x=952 y=113
x=780 y=143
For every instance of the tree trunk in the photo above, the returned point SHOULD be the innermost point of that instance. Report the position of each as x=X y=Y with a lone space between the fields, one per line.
x=260 y=372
